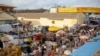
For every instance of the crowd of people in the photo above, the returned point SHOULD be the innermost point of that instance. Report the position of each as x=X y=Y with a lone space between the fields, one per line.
x=49 y=43
x=61 y=42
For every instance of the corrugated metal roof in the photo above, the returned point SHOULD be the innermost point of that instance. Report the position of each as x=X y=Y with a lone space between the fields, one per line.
x=58 y=16
x=4 y=5
x=5 y=16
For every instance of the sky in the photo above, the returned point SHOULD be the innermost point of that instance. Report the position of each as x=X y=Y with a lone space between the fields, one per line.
x=35 y=4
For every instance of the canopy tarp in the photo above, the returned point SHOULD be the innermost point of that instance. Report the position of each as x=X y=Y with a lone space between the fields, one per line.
x=53 y=28
x=88 y=49
x=6 y=28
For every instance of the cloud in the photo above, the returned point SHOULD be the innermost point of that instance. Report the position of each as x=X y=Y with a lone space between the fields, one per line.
x=86 y=3
x=9 y=2
x=30 y=4
x=22 y=3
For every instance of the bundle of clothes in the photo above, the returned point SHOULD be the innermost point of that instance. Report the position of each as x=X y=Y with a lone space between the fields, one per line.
x=10 y=50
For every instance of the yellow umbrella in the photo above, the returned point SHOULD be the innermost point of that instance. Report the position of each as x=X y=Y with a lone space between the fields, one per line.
x=53 y=28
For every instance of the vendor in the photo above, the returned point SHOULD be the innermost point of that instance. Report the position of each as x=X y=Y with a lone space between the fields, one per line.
x=1 y=44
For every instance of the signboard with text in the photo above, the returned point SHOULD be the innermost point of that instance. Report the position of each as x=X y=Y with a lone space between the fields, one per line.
x=79 y=9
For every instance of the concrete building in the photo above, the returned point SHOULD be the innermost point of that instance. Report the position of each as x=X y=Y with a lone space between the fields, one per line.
x=45 y=19
x=6 y=14
x=61 y=16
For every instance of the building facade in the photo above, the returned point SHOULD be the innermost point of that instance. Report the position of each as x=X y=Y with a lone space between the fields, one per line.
x=6 y=14
x=45 y=19
x=61 y=16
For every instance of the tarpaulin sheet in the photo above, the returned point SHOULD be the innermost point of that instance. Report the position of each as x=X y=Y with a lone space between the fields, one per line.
x=88 y=49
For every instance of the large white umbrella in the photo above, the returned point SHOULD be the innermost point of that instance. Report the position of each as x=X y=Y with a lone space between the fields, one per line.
x=61 y=32
x=67 y=52
x=83 y=25
x=84 y=37
x=10 y=37
x=6 y=28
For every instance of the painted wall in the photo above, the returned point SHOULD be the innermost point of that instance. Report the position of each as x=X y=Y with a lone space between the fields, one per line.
x=48 y=22
x=70 y=22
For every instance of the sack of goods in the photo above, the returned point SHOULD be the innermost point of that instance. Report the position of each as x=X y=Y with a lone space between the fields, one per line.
x=12 y=50
x=29 y=39
x=4 y=39
x=1 y=52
